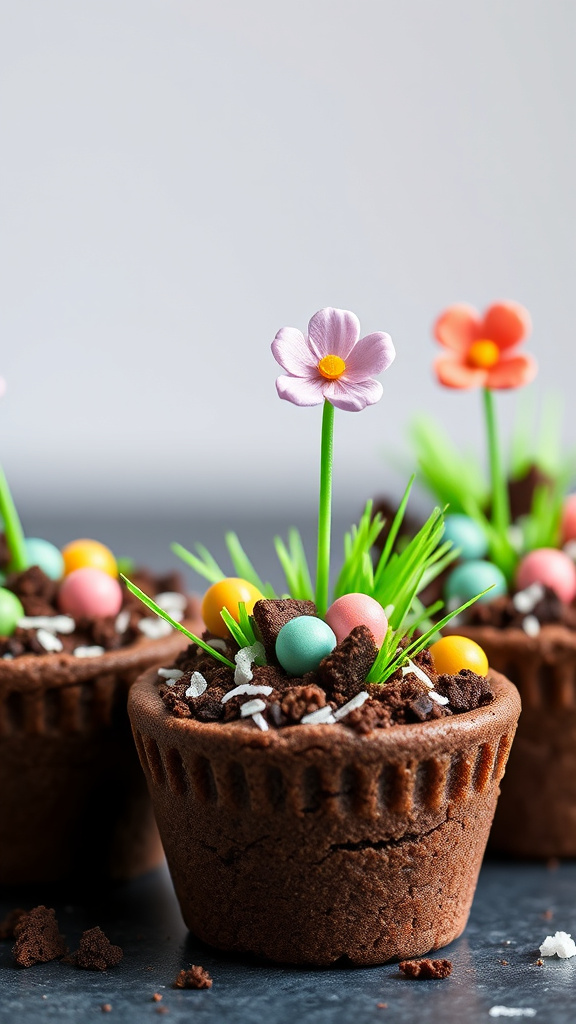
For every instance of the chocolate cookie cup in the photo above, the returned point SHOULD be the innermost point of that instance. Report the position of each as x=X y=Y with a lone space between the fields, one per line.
x=73 y=801
x=312 y=844
x=536 y=815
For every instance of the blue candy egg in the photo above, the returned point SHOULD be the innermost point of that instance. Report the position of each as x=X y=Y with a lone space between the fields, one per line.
x=471 y=578
x=466 y=534
x=302 y=643
x=45 y=555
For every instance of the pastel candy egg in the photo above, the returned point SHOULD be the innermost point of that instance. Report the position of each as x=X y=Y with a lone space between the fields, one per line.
x=471 y=578
x=550 y=567
x=467 y=535
x=357 y=610
x=453 y=653
x=46 y=556
x=89 y=554
x=11 y=611
x=569 y=519
x=228 y=593
x=302 y=643
x=89 y=593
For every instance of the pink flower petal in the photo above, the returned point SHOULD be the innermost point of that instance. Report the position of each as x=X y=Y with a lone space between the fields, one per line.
x=292 y=351
x=457 y=327
x=371 y=355
x=506 y=323
x=452 y=372
x=333 y=332
x=512 y=373
x=301 y=390
x=353 y=396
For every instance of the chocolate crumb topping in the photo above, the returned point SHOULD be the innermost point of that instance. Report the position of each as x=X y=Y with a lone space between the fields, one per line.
x=426 y=969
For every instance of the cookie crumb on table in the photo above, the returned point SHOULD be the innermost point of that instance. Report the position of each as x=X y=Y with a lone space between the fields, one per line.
x=106 y=1007
x=426 y=969
x=156 y=998
x=37 y=938
x=95 y=952
x=194 y=977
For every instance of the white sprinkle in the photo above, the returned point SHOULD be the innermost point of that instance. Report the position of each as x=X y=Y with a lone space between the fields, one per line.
x=154 y=629
x=562 y=944
x=48 y=641
x=526 y=600
x=218 y=645
x=246 y=688
x=275 y=712
x=122 y=621
x=414 y=670
x=438 y=697
x=260 y=721
x=389 y=611
x=323 y=716
x=531 y=625
x=570 y=549
x=88 y=652
x=252 y=707
x=356 y=702
x=197 y=685
x=51 y=623
x=173 y=603
x=511 y=1011
x=244 y=659
x=172 y=674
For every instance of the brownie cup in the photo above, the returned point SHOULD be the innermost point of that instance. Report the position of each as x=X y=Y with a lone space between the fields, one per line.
x=73 y=800
x=312 y=843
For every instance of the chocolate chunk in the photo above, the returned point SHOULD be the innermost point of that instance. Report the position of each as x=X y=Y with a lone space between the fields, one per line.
x=344 y=671
x=37 y=938
x=96 y=952
x=302 y=700
x=426 y=969
x=271 y=615
x=8 y=925
x=465 y=691
x=194 y=977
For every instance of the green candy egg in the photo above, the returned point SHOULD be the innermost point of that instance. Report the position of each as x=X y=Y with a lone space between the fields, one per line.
x=11 y=611
x=302 y=643
x=466 y=534
x=46 y=556
x=471 y=578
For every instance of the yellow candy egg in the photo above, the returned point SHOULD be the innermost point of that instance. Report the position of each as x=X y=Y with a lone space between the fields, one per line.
x=88 y=554
x=453 y=653
x=228 y=593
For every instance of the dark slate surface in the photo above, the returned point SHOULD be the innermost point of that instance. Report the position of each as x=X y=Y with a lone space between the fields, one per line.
x=507 y=924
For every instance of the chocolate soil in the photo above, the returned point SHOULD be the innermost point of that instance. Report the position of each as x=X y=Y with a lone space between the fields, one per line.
x=309 y=844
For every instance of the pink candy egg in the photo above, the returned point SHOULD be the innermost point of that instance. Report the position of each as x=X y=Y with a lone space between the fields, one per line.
x=569 y=519
x=89 y=593
x=357 y=610
x=550 y=567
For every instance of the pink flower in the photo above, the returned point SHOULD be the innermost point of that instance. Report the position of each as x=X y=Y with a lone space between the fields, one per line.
x=483 y=350
x=333 y=362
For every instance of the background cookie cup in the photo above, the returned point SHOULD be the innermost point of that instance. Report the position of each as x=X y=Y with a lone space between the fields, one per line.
x=313 y=843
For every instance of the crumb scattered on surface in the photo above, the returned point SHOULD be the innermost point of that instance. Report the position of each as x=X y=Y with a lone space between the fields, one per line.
x=560 y=944
x=382 y=1006
x=539 y=963
x=96 y=952
x=548 y=915
x=156 y=998
x=106 y=1007
x=194 y=977
x=162 y=1009
x=426 y=969
x=505 y=962
x=37 y=938
x=8 y=925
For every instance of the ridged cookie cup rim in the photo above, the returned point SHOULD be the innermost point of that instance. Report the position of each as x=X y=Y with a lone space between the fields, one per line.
x=146 y=705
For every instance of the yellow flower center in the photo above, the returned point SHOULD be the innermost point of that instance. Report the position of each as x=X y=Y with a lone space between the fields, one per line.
x=484 y=354
x=331 y=367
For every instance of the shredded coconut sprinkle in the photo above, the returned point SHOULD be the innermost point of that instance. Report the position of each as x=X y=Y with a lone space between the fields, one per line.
x=218 y=645
x=323 y=716
x=531 y=625
x=260 y=721
x=122 y=621
x=51 y=623
x=244 y=659
x=197 y=685
x=356 y=702
x=48 y=641
x=561 y=944
x=511 y=1011
x=252 y=707
x=526 y=600
x=173 y=603
x=155 y=629
x=414 y=670
x=246 y=688
x=172 y=675
x=88 y=652
x=438 y=697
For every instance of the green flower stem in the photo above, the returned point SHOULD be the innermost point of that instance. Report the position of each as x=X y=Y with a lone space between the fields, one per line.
x=12 y=526
x=500 y=501
x=325 y=509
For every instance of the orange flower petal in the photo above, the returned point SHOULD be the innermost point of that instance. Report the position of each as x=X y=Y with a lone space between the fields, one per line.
x=506 y=323
x=512 y=373
x=452 y=372
x=457 y=327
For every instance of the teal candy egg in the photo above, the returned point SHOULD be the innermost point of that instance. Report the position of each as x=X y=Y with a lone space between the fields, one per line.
x=45 y=555
x=11 y=611
x=466 y=534
x=302 y=643
x=471 y=578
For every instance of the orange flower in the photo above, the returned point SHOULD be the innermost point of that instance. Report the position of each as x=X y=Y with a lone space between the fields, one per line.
x=483 y=349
